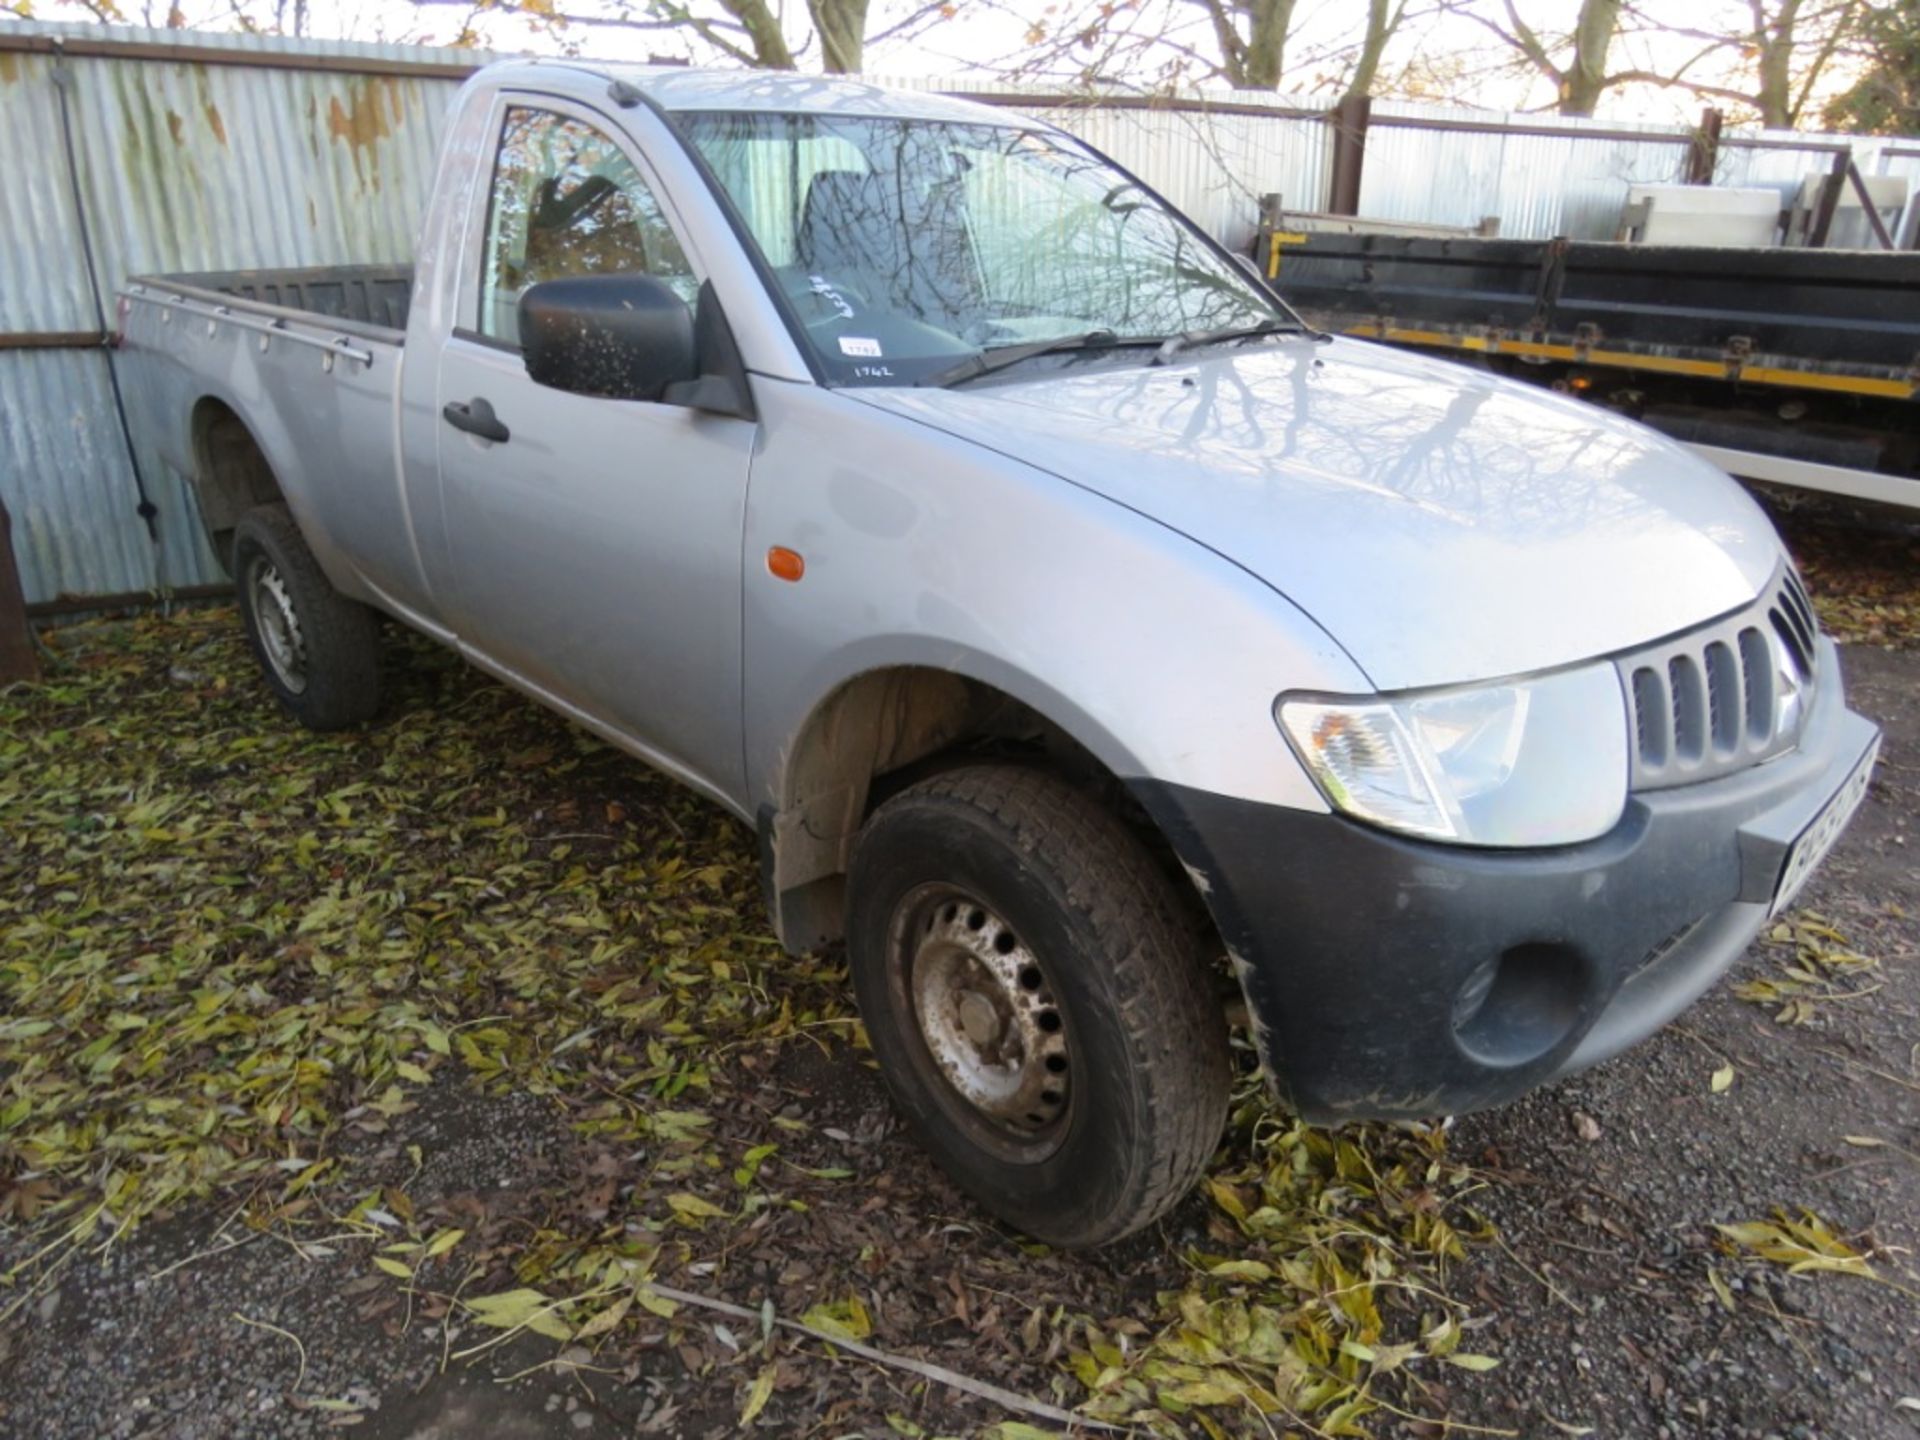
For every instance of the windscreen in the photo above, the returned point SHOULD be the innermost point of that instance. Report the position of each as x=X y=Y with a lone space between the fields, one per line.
x=905 y=246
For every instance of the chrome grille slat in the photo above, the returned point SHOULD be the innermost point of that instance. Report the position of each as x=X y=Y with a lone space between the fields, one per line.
x=1803 y=640
x=1721 y=697
x=1756 y=669
x=1653 y=716
x=1689 y=709
x=1797 y=596
x=1791 y=603
x=1726 y=703
x=1790 y=636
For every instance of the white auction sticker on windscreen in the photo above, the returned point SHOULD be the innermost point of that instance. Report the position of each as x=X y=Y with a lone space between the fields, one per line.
x=860 y=346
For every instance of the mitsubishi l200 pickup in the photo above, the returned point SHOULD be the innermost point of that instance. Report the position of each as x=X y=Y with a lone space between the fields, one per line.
x=1073 y=624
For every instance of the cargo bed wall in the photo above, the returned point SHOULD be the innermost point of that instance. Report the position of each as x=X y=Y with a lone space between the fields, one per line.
x=376 y=295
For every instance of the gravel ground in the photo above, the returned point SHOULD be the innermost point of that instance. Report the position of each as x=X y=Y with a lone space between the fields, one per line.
x=1612 y=1179
x=1598 y=1295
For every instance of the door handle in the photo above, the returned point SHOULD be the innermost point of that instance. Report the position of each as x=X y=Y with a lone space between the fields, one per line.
x=476 y=417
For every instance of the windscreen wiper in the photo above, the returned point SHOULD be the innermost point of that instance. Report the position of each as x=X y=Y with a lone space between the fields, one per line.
x=1002 y=356
x=1187 y=339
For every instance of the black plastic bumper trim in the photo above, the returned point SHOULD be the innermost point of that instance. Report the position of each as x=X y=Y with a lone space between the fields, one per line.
x=1366 y=957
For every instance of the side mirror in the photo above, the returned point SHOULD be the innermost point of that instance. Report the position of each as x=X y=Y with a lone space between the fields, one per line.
x=627 y=337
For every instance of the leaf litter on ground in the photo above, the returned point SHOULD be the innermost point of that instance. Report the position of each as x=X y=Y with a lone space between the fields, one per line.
x=236 y=959
x=1864 y=581
x=1802 y=1244
x=1819 y=968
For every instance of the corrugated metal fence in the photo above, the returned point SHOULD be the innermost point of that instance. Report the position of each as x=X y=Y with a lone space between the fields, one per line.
x=1542 y=175
x=217 y=152
x=235 y=151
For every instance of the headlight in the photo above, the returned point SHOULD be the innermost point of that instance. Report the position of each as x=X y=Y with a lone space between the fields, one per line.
x=1530 y=762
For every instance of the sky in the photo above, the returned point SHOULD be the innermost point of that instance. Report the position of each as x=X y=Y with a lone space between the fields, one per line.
x=977 y=42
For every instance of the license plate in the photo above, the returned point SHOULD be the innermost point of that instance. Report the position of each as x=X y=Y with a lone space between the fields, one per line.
x=1818 y=838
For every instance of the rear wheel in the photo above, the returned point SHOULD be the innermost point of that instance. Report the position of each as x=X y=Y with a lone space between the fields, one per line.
x=319 y=651
x=1038 y=1001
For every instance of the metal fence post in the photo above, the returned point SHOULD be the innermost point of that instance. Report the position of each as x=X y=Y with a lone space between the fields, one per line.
x=1830 y=197
x=17 y=660
x=1349 y=120
x=1703 y=155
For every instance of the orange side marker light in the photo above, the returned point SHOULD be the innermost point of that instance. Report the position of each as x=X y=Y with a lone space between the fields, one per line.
x=785 y=564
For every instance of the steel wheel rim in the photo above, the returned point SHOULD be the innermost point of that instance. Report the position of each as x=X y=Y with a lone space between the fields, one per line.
x=993 y=1037
x=277 y=624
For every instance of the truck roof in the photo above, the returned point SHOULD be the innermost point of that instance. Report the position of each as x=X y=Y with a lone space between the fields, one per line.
x=675 y=87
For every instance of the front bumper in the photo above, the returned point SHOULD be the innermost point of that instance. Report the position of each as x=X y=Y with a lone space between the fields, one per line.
x=1395 y=978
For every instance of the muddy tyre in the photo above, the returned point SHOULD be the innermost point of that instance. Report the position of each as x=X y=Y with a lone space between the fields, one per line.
x=1038 y=1000
x=319 y=651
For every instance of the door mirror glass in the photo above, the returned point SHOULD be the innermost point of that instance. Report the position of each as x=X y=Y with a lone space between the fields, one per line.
x=627 y=337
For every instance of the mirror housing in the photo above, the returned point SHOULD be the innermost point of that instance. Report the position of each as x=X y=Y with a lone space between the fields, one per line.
x=624 y=337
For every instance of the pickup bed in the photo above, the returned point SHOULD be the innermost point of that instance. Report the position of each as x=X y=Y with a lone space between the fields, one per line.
x=1084 y=635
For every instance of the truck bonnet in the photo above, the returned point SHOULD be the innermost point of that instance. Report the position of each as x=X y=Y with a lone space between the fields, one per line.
x=1443 y=525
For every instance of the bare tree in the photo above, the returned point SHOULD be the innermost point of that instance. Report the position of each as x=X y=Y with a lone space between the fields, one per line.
x=1154 y=44
x=746 y=32
x=1252 y=40
x=1576 y=62
x=842 y=26
x=105 y=11
x=249 y=17
x=1778 y=53
x=1384 y=17
x=1885 y=99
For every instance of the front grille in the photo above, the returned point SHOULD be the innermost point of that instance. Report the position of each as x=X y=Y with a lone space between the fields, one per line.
x=1725 y=696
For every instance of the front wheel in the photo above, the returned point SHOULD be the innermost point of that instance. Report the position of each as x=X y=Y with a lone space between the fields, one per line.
x=1038 y=1001
x=319 y=650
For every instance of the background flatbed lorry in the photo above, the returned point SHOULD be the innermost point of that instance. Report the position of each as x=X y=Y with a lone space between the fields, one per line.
x=1794 y=366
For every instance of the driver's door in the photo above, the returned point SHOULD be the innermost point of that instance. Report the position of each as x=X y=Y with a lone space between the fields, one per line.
x=595 y=543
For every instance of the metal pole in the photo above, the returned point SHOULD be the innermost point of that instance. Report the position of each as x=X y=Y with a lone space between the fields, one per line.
x=63 y=80
x=1349 y=119
x=1830 y=197
x=1703 y=156
x=17 y=660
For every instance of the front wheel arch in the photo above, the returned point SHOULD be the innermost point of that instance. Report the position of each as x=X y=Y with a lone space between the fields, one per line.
x=876 y=731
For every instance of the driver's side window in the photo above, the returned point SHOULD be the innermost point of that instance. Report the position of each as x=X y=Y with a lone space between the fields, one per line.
x=566 y=201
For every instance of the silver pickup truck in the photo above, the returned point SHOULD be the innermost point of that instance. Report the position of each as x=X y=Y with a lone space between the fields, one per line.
x=1079 y=630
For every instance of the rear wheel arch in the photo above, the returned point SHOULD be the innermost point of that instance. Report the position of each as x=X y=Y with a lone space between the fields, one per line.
x=232 y=474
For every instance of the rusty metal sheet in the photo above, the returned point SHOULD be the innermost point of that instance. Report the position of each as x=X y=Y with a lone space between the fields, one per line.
x=65 y=477
x=184 y=164
x=42 y=286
